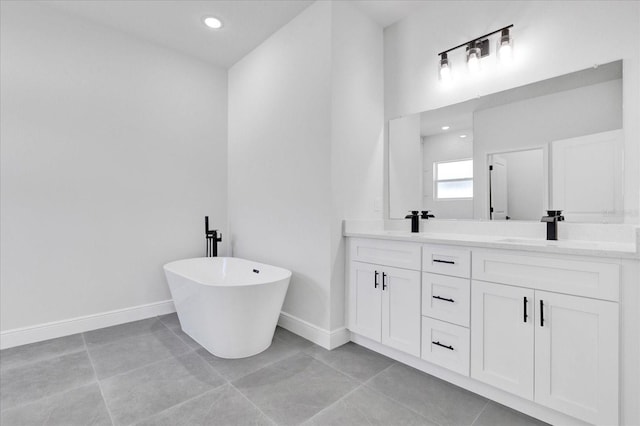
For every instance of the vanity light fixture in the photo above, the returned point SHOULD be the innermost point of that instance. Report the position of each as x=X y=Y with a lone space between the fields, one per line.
x=477 y=49
x=212 y=22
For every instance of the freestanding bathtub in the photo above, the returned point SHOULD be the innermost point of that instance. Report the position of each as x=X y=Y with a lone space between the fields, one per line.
x=230 y=306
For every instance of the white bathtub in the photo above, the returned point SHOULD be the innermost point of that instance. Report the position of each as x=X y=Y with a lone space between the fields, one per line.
x=230 y=306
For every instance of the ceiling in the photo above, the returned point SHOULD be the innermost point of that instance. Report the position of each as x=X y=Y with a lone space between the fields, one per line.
x=177 y=24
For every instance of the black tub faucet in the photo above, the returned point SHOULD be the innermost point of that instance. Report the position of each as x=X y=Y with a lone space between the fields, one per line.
x=213 y=237
x=552 y=218
x=415 y=219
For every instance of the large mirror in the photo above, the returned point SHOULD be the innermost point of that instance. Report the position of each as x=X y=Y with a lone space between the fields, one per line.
x=555 y=144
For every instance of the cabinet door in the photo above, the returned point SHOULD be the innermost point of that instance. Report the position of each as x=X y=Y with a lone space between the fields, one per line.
x=502 y=337
x=401 y=310
x=365 y=298
x=576 y=359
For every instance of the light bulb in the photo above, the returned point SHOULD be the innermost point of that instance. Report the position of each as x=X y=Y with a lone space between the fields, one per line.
x=445 y=73
x=505 y=54
x=473 y=62
x=212 y=22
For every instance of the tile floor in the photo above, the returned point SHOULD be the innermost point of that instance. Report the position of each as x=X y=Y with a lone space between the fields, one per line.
x=150 y=373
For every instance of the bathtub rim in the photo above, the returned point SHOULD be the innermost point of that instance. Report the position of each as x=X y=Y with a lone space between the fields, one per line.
x=287 y=273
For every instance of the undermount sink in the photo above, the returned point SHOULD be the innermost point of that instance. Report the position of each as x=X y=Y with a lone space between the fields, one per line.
x=523 y=241
x=554 y=243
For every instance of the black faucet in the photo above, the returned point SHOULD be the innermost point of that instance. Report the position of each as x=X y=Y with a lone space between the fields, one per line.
x=425 y=215
x=552 y=219
x=213 y=238
x=415 y=219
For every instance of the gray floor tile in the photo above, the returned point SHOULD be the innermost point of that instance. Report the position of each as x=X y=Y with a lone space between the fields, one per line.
x=366 y=407
x=34 y=352
x=353 y=360
x=186 y=339
x=224 y=406
x=499 y=415
x=80 y=406
x=133 y=352
x=171 y=321
x=122 y=331
x=144 y=392
x=289 y=337
x=294 y=389
x=233 y=369
x=437 y=400
x=31 y=382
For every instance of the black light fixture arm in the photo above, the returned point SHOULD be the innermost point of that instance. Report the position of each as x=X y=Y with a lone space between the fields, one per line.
x=474 y=40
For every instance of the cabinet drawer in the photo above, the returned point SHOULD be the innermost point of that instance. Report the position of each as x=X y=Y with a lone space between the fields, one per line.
x=446 y=260
x=446 y=298
x=446 y=345
x=581 y=278
x=389 y=253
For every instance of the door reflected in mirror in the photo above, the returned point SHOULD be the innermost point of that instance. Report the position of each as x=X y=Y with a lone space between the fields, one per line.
x=541 y=140
x=517 y=182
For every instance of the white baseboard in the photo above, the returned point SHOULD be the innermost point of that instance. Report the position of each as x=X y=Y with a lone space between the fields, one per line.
x=51 y=330
x=325 y=338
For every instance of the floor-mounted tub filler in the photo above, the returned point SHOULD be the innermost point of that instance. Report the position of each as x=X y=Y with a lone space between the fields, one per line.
x=229 y=306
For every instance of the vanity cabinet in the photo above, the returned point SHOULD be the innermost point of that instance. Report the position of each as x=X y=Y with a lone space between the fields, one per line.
x=559 y=350
x=384 y=300
x=520 y=326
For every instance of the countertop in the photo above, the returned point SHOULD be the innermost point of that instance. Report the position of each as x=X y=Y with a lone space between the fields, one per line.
x=570 y=247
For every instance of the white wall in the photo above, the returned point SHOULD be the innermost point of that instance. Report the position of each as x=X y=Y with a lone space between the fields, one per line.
x=280 y=158
x=445 y=147
x=305 y=151
x=536 y=122
x=551 y=39
x=113 y=149
x=357 y=136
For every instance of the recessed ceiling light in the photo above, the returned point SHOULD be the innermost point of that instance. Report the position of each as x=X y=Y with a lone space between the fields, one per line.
x=463 y=136
x=445 y=127
x=212 y=22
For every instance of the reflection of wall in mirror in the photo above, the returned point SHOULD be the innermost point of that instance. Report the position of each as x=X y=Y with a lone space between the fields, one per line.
x=538 y=121
x=445 y=147
x=405 y=180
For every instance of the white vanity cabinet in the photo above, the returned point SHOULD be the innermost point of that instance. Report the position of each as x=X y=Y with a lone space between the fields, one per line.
x=559 y=350
x=539 y=332
x=384 y=300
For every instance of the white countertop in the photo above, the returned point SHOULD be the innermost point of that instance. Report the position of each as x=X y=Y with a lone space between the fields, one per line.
x=573 y=247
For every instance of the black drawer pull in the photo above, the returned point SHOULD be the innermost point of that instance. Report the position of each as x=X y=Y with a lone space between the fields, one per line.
x=444 y=346
x=450 y=262
x=443 y=298
x=375 y=280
